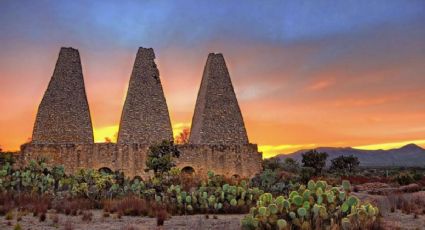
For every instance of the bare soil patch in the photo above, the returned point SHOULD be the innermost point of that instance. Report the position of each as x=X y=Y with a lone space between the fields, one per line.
x=99 y=222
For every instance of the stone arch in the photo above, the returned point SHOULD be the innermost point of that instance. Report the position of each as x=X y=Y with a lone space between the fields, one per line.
x=188 y=170
x=138 y=178
x=106 y=170
x=236 y=176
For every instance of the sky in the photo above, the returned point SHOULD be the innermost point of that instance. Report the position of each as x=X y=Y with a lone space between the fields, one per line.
x=306 y=73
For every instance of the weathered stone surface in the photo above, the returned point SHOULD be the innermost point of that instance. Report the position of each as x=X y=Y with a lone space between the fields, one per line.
x=63 y=132
x=145 y=118
x=228 y=160
x=241 y=160
x=63 y=115
x=217 y=118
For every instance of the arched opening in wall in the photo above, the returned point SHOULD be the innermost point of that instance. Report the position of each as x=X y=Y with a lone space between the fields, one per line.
x=106 y=170
x=188 y=170
x=138 y=178
x=236 y=177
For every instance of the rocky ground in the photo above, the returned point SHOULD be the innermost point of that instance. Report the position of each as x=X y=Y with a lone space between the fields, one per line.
x=391 y=219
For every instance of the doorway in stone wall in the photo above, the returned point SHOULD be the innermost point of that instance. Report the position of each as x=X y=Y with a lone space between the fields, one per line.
x=188 y=170
x=106 y=170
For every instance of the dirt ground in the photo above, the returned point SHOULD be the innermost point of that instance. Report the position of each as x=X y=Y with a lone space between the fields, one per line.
x=390 y=220
x=397 y=219
x=99 y=222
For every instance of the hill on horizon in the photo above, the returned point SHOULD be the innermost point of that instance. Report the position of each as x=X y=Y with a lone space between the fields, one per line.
x=410 y=155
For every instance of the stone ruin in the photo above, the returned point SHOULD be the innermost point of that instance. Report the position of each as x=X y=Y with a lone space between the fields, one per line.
x=63 y=115
x=217 y=119
x=218 y=141
x=145 y=118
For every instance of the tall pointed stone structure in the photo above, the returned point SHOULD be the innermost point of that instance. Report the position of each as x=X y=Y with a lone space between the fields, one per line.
x=145 y=119
x=63 y=115
x=63 y=132
x=217 y=119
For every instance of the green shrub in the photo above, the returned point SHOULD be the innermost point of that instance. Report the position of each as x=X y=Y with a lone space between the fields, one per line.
x=404 y=178
x=9 y=215
x=17 y=227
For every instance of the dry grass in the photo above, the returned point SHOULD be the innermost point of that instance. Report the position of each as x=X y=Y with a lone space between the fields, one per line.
x=42 y=217
x=130 y=227
x=161 y=216
x=87 y=216
x=54 y=217
x=413 y=204
x=130 y=206
x=17 y=227
x=9 y=215
x=24 y=202
x=73 y=206
x=68 y=225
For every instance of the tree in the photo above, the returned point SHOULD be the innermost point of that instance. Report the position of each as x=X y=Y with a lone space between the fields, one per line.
x=291 y=165
x=305 y=174
x=315 y=160
x=265 y=180
x=345 y=165
x=6 y=157
x=183 y=137
x=160 y=157
x=272 y=164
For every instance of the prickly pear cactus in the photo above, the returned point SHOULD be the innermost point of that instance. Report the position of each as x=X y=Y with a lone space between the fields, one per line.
x=215 y=196
x=334 y=207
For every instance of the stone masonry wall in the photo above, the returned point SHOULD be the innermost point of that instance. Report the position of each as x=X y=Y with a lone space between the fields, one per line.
x=217 y=118
x=63 y=130
x=63 y=115
x=145 y=118
x=129 y=159
x=244 y=161
x=229 y=160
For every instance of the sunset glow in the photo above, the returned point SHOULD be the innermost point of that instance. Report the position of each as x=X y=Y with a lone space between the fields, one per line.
x=305 y=76
x=386 y=146
x=108 y=132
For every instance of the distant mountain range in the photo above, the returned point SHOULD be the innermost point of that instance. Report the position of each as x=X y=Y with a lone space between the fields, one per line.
x=410 y=155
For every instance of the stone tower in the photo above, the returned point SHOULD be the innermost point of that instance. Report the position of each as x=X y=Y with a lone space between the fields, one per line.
x=217 y=118
x=145 y=118
x=63 y=115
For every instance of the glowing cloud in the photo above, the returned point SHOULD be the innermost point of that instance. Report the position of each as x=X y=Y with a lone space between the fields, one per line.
x=101 y=134
x=273 y=150
x=392 y=145
x=104 y=133
x=178 y=127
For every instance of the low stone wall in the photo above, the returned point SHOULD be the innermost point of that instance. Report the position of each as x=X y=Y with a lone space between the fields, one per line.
x=241 y=160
